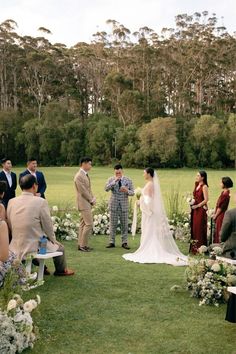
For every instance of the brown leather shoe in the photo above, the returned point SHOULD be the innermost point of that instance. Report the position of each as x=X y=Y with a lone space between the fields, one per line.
x=125 y=245
x=66 y=272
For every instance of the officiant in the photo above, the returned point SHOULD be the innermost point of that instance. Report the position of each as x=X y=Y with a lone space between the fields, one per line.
x=121 y=188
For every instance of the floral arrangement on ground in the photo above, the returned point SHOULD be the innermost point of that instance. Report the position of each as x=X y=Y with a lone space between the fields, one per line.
x=17 y=329
x=208 y=279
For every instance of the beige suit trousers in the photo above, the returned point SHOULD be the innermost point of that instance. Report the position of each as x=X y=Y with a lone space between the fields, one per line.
x=85 y=227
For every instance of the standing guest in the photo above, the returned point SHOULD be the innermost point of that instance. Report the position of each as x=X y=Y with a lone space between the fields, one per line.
x=221 y=206
x=85 y=201
x=3 y=188
x=10 y=177
x=121 y=188
x=199 y=213
x=29 y=218
x=32 y=169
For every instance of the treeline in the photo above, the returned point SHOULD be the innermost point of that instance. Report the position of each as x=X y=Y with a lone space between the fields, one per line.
x=143 y=98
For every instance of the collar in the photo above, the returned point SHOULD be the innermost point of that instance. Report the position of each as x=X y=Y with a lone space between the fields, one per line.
x=27 y=193
x=31 y=172
x=81 y=169
x=6 y=172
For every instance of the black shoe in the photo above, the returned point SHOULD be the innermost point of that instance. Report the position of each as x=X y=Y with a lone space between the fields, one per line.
x=125 y=245
x=88 y=248
x=46 y=271
x=111 y=245
x=84 y=249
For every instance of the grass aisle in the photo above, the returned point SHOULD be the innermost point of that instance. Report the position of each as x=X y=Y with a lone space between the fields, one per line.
x=115 y=306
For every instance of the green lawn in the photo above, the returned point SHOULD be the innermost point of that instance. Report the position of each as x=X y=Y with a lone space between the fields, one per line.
x=115 y=306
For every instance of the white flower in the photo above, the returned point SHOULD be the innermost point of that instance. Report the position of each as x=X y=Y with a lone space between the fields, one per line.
x=11 y=305
x=68 y=216
x=202 y=249
x=55 y=208
x=55 y=227
x=29 y=305
x=217 y=250
x=215 y=267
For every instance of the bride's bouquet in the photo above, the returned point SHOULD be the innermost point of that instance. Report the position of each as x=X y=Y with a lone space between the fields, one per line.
x=138 y=192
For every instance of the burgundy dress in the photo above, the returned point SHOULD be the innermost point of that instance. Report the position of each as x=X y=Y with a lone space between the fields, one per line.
x=198 y=222
x=222 y=203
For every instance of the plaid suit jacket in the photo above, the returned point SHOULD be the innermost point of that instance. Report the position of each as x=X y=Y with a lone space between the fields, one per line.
x=119 y=198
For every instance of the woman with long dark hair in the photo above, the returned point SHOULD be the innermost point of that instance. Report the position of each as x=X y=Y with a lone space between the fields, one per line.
x=221 y=206
x=199 y=213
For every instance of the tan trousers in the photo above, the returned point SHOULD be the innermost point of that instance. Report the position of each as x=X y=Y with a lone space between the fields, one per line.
x=85 y=227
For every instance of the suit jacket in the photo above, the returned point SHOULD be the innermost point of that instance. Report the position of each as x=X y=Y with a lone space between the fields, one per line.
x=228 y=231
x=119 y=198
x=40 y=179
x=11 y=191
x=29 y=218
x=83 y=191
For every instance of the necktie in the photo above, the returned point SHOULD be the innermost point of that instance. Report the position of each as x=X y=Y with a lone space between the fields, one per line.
x=119 y=183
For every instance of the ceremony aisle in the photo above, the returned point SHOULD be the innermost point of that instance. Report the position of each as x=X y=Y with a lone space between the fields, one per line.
x=115 y=306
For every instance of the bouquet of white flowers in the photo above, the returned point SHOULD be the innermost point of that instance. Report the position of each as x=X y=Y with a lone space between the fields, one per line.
x=64 y=226
x=208 y=280
x=17 y=330
x=189 y=199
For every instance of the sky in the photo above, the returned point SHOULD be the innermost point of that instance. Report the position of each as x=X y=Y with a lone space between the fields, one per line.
x=73 y=21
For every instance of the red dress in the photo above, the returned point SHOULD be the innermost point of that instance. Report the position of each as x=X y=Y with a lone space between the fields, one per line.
x=222 y=203
x=198 y=222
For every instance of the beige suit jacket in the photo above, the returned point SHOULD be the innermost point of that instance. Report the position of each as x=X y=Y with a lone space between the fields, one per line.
x=83 y=191
x=29 y=219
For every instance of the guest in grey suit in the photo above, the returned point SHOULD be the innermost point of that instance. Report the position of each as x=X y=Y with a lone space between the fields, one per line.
x=228 y=234
x=121 y=188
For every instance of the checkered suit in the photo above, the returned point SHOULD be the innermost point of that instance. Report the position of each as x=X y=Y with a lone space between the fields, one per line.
x=119 y=206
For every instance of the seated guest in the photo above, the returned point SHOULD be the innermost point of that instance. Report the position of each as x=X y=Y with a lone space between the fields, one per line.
x=29 y=219
x=6 y=257
x=3 y=188
x=221 y=206
x=228 y=234
x=32 y=169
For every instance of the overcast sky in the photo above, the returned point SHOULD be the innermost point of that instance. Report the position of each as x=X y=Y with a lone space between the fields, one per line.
x=73 y=21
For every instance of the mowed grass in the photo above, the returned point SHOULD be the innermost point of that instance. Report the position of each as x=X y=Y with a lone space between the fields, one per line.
x=114 y=306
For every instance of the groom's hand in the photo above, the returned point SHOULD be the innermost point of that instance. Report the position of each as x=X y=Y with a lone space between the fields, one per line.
x=123 y=189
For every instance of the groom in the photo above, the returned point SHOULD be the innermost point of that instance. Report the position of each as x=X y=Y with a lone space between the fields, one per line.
x=121 y=188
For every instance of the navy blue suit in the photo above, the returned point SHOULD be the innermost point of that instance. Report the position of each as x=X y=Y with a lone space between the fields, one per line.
x=40 y=180
x=11 y=191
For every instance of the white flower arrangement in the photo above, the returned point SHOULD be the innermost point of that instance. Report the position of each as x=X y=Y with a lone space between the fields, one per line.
x=64 y=227
x=180 y=227
x=17 y=330
x=208 y=280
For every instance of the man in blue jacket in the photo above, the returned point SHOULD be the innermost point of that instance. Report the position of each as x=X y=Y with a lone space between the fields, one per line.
x=32 y=169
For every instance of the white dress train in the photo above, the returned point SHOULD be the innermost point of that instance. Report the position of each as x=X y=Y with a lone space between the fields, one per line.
x=157 y=244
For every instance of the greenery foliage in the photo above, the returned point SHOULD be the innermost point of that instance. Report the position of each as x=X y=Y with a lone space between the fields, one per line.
x=121 y=97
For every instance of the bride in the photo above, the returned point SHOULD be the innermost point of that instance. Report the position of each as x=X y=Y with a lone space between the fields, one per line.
x=157 y=244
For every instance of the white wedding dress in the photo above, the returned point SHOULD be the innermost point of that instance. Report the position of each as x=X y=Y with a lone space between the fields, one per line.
x=157 y=244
